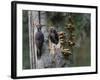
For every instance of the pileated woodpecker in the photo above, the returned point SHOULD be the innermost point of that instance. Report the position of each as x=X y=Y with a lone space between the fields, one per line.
x=39 y=39
x=54 y=38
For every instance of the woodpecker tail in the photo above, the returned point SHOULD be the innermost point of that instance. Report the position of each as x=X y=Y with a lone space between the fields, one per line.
x=39 y=53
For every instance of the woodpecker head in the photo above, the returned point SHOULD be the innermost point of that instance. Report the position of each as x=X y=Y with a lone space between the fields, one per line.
x=53 y=35
x=39 y=27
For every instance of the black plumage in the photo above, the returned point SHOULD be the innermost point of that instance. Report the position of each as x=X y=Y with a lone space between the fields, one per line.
x=54 y=38
x=39 y=39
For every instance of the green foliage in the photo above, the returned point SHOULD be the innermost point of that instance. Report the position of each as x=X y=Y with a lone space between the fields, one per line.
x=56 y=18
x=81 y=21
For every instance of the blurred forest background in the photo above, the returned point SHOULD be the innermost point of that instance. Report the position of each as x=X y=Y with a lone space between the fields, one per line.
x=82 y=23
